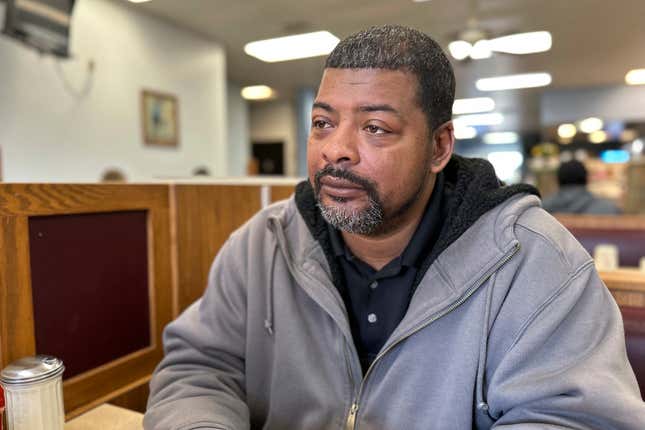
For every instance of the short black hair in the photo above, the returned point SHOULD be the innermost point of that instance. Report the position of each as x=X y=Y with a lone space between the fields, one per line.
x=395 y=47
x=572 y=173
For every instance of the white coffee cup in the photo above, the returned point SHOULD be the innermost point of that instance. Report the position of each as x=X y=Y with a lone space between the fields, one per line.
x=606 y=257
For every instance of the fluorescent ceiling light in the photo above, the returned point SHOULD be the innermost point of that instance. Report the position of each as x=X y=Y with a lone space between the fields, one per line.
x=292 y=47
x=479 y=119
x=473 y=105
x=522 y=43
x=514 y=82
x=460 y=49
x=567 y=131
x=481 y=50
x=635 y=77
x=501 y=138
x=598 y=136
x=590 y=125
x=465 y=132
x=138 y=1
x=257 y=92
x=506 y=163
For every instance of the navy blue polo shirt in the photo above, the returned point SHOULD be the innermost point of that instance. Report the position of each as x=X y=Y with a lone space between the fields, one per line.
x=377 y=300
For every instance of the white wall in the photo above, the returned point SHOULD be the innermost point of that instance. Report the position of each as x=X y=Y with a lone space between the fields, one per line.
x=239 y=140
x=276 y=121
x=49 y=134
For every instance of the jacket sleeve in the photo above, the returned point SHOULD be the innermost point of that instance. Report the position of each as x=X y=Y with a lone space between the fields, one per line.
x=199 y=384
x=567 y=367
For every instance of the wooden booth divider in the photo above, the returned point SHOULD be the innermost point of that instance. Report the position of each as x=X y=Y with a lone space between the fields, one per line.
x=92 y=273
x=204 y=216
x=85 y=274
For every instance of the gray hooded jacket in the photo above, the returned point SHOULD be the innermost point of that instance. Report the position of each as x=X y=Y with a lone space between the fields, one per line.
x=509 y=328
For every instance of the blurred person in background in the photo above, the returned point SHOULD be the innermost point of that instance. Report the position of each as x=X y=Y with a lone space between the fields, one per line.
x=201 y=171
x=113 y=175
x=573 y=195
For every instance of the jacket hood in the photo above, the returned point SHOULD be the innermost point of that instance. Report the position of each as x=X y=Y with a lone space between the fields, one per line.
x=471 y=189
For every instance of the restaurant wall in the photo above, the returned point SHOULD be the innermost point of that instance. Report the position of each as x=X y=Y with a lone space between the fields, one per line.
x=68 y=120
x=239 y=141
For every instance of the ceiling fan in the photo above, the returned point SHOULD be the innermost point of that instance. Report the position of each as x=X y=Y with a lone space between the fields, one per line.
x=476 y=43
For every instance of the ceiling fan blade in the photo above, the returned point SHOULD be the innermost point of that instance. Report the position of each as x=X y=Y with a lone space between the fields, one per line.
x=522 y=43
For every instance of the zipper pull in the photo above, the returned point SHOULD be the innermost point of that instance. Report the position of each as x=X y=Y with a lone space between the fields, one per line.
x=351 y=419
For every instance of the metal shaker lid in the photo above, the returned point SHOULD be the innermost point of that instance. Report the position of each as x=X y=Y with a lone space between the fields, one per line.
x=31 y=369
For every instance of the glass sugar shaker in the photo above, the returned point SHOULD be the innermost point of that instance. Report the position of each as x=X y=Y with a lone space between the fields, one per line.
x=34 y=393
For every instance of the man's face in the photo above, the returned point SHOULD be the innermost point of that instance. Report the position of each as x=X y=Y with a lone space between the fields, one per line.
x=369 y=149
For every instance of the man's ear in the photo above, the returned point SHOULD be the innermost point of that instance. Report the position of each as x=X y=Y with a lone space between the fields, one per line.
x=444 y=143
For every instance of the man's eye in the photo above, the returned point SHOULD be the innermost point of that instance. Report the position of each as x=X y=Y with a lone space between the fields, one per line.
x=374 y=129
x=319 y=123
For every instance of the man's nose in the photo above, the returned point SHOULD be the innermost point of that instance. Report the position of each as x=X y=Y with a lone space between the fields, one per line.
x=342 y=147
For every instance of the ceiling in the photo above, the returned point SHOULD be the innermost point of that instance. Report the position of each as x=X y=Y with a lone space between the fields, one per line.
x=595 y=42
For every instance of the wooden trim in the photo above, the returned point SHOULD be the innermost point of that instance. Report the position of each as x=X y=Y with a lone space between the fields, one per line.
x=104 y=399
x=626 y=285
x=625 y=279
x=152 y=299
x=16 y=309
x=174 y=251
x=281 y=192
x=108 y=366
x=605 y=222
x=56 y=199
x=135 y=400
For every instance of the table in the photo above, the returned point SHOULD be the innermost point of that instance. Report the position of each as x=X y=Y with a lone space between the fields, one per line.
x=107 y=417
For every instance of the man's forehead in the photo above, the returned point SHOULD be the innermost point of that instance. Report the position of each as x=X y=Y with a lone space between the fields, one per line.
x=365 y=75
x=366 y=86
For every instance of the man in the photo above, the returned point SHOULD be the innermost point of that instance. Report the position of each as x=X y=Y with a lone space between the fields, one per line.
x=401 y=288
x=573 y=196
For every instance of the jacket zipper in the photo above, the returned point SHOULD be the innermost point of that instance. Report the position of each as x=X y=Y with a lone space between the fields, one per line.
x=353 y=411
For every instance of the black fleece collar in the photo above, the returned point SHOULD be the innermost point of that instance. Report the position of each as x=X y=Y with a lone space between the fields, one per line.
x=471 y=189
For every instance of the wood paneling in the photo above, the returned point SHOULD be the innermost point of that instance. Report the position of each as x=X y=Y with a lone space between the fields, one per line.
x=136 y=399
x=626 y=285
x=16 y=310
x=205 y=216
x=20 y=201
x=603 y=222
x=281 y=192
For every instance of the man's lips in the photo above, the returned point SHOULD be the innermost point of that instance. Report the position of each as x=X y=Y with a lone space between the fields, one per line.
x=340 y=187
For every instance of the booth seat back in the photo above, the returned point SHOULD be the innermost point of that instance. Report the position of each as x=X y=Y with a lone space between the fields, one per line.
x=626 y=232
x=634 y=320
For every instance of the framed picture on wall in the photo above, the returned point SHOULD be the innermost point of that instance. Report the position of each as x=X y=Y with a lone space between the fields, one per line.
x=160 y=116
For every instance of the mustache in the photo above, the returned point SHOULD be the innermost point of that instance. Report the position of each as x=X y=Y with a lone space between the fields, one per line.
x=347 y=175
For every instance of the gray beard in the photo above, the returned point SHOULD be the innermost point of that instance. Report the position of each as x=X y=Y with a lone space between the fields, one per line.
x=363 y=222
